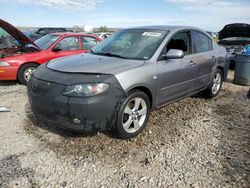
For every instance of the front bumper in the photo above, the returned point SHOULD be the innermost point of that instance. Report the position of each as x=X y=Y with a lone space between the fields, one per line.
x=96 y=113
x=8 y=73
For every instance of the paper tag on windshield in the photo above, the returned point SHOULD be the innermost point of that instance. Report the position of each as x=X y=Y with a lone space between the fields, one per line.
x=151 y=34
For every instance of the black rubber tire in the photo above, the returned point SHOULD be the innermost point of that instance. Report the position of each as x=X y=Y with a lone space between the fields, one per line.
x=207 y=93
x=232 y=65
x=119 y=127
x=20 y=74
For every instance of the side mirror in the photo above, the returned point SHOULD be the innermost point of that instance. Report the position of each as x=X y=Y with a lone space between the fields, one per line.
x=174 y=54
x=56 y=49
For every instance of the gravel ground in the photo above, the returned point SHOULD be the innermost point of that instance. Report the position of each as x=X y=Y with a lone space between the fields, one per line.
x=192 y=143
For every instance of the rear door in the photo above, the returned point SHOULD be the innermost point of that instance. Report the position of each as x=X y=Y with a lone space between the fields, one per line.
x=176 y=77
x=205 y=58
x=88 y=42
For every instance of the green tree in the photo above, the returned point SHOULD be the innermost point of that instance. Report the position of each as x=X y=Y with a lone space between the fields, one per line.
x=103 y=29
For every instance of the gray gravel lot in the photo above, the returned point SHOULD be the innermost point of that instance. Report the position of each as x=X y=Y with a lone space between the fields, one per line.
x=192 y=143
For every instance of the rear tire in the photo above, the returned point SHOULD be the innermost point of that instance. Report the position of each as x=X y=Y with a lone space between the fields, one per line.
x=133 y=115
x=215 y=86
x=25 y=72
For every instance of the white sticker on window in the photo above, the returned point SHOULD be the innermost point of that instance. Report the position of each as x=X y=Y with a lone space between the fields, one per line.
x=151 y=34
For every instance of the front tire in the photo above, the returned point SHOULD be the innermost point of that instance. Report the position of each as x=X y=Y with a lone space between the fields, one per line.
x=215 y=86
x=25 y=72
x=133 y=115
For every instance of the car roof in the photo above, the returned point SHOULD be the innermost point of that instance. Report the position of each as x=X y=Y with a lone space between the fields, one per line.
x=69 y=34
x=72 y=34
x=164 y=27
x=52 y=28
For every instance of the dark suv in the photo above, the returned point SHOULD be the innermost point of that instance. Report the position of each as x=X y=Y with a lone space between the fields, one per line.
x=48 y=30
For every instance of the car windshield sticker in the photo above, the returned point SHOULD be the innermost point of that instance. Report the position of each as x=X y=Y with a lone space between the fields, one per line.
x=151 y=34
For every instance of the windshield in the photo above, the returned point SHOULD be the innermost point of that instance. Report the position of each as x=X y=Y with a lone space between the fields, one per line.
x=3 y=33
x=131 y=44
x=46 y=41
x=6 y=40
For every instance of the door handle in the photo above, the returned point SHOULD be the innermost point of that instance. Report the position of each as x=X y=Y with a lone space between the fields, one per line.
x=213 y=58
x=191 y=63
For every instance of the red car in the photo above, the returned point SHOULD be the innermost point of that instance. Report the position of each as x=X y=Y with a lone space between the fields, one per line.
x=19 y=57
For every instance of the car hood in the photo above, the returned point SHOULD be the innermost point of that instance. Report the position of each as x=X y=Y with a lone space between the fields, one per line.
x=15 y=33
x=90 y=63
x=232 y=41
x=235 y=30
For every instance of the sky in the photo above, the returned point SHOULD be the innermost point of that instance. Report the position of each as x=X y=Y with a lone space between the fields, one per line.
x=210 y=15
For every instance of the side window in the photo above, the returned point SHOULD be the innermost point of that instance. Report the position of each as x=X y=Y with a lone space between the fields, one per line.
x=68 y=43
x=88 y=42
x=180 y=41
x=201 y=42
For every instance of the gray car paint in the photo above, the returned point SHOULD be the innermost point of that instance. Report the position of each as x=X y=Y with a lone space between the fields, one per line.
x=90 y=63
x=166 y=80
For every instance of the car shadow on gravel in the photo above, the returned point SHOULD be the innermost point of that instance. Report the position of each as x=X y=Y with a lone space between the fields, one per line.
x=165 y=128
x=51 y=128
x=8 y=83
x=65 y=132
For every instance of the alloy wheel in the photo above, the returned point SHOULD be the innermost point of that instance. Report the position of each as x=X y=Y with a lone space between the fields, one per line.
x=216 y=83
x=134 y=115
x=28 y=73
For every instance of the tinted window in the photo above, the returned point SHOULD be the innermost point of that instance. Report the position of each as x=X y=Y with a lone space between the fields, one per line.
x=44 y=31
x=180 y=41
x=57 y=30
x=202 y=43
x=69 y=43
x=88 y=42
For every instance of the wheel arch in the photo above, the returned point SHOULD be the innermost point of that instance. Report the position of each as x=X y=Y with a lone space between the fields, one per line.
x=222 y=69
x=30 y=62
x=144 y=89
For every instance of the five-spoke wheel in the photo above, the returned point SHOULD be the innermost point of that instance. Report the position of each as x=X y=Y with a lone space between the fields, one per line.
x=25 y=72
x=133 y=114
x=215 y=86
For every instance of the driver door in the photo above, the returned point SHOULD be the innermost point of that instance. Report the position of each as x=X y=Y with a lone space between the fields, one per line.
x=176 y=76
x=67 y=46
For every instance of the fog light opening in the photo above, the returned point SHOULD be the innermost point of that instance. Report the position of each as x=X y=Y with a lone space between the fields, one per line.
x=76 y=121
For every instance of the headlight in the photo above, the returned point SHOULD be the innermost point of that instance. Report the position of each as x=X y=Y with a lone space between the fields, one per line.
x=4 y=64
x=84 y=90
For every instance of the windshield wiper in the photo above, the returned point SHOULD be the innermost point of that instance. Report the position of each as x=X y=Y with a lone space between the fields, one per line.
x=115 y=55
x=108 y=54
x=92 y=51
